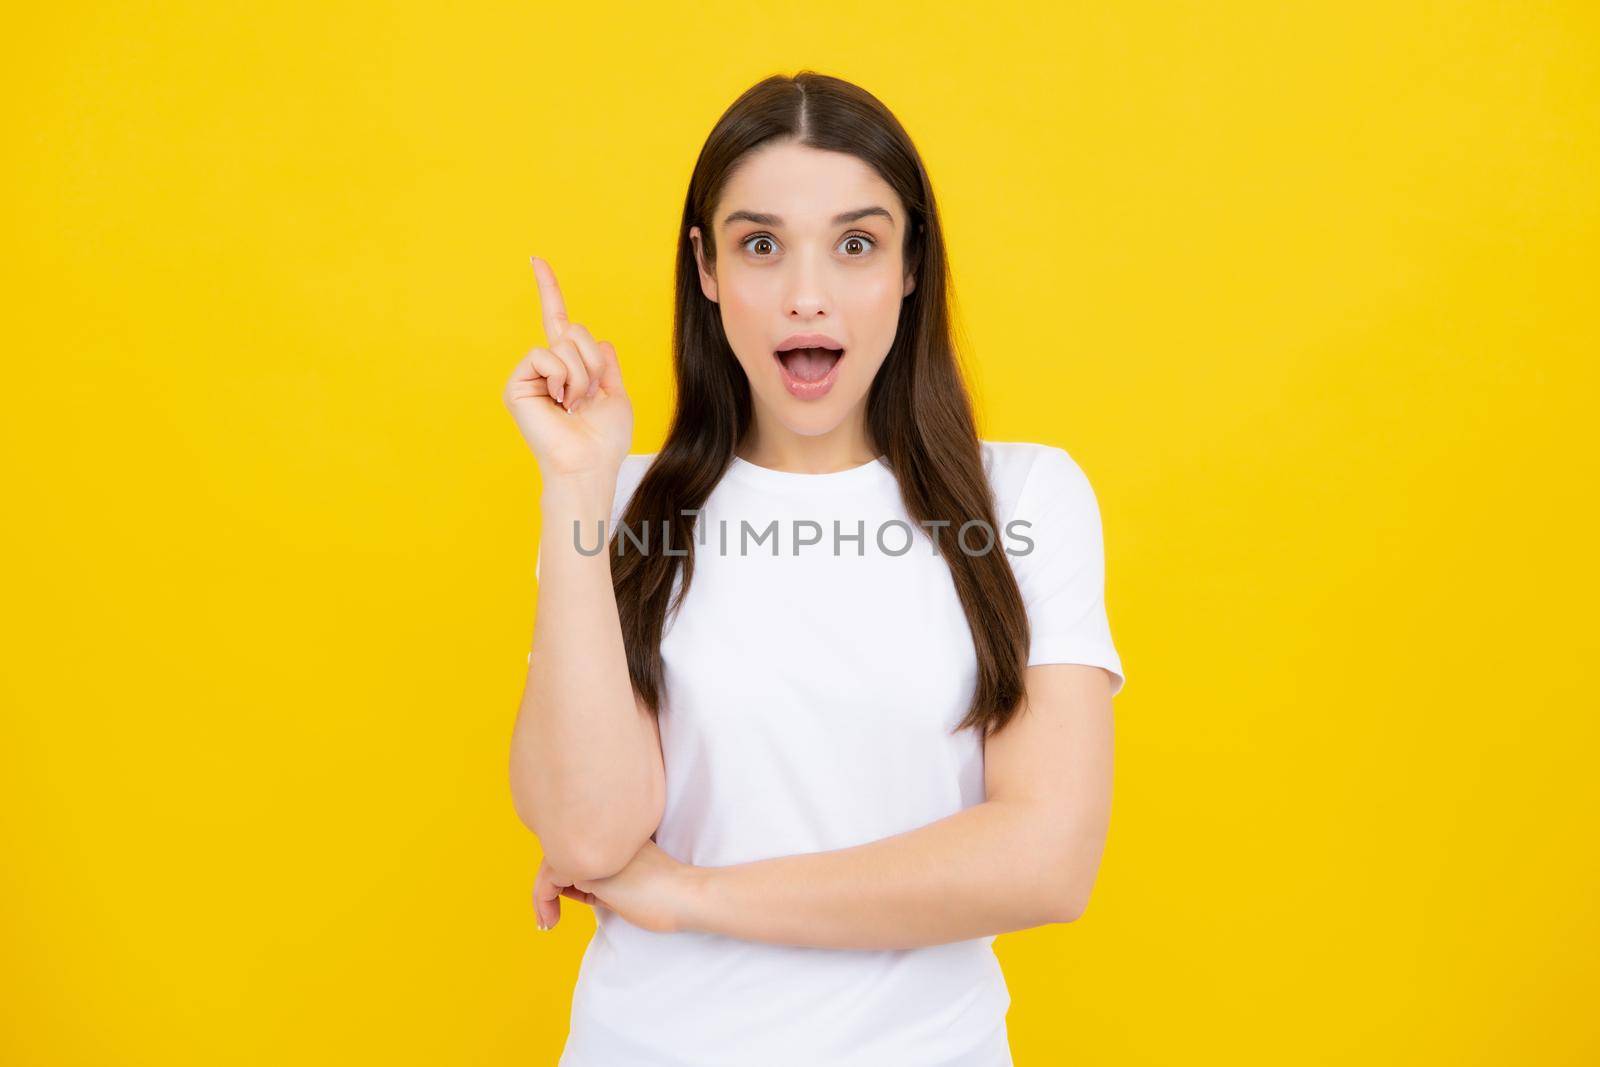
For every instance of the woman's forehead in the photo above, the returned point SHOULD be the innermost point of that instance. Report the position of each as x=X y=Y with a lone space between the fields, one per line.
x=802 y=187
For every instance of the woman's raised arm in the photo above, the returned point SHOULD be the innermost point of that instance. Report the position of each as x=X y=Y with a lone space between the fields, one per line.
x=586 y=768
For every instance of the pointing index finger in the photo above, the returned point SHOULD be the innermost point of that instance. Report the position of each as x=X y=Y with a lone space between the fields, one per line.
x=554 y=308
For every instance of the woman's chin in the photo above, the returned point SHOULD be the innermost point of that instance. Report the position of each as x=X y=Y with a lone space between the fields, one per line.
x=810 y=418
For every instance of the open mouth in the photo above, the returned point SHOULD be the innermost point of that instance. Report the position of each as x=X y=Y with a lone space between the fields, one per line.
x=809 y=366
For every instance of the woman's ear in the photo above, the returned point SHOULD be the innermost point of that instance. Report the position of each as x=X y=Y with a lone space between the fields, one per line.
x=911 y=283
x=708 y=280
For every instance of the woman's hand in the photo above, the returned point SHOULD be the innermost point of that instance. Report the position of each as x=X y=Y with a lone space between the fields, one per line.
x=654 y=891
x=549 y=886
x=567 y=399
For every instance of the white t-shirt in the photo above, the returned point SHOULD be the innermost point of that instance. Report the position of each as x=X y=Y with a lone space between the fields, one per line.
x=809 y=700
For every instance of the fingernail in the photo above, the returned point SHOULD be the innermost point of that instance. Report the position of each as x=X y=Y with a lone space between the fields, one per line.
x=560 y=389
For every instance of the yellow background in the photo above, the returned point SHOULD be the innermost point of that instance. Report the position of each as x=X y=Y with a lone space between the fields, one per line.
x=1308 y=290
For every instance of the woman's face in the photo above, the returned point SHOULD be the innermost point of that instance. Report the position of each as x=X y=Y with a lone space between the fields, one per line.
x=808 y=242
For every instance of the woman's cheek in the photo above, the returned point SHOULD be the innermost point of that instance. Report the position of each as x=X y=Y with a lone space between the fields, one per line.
x=745 y=312
x=875 y=308
x=881 y=287
x=749 y=290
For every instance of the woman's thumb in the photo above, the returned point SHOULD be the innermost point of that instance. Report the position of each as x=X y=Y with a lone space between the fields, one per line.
x=611 y=370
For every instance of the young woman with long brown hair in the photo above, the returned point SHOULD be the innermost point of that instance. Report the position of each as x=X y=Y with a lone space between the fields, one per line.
x=819 y=697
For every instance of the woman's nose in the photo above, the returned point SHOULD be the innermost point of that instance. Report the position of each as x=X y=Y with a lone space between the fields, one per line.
x=805 y=306
x=808 y=286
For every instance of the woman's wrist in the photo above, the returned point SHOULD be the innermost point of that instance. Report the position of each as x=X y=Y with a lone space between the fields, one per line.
x=696 y=899
x=579 y=493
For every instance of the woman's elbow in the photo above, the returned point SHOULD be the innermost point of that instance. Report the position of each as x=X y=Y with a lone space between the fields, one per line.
x=580 y=860
x=588 y=853
x=590 y=857
x=1070 y=906
x=1070 y=888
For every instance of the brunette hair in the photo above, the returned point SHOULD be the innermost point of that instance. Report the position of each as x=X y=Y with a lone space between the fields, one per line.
x=919 y=416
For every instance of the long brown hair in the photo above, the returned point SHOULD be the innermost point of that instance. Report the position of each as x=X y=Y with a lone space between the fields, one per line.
x=919 y=416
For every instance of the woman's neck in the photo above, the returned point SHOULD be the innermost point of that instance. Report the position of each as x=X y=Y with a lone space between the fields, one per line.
x=839 y=449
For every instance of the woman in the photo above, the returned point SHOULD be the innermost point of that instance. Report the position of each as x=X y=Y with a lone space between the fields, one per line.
x=835 y=709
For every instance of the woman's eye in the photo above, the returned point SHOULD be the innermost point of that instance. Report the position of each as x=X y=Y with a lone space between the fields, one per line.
x=858 y=238
x=755 y=245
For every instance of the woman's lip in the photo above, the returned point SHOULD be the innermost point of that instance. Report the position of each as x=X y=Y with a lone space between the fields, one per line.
x=808 y=390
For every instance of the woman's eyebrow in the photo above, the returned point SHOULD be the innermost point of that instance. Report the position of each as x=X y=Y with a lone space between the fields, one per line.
x=763 y=219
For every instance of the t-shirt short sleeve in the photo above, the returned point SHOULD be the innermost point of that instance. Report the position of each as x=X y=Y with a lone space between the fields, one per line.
x=1062 y=573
